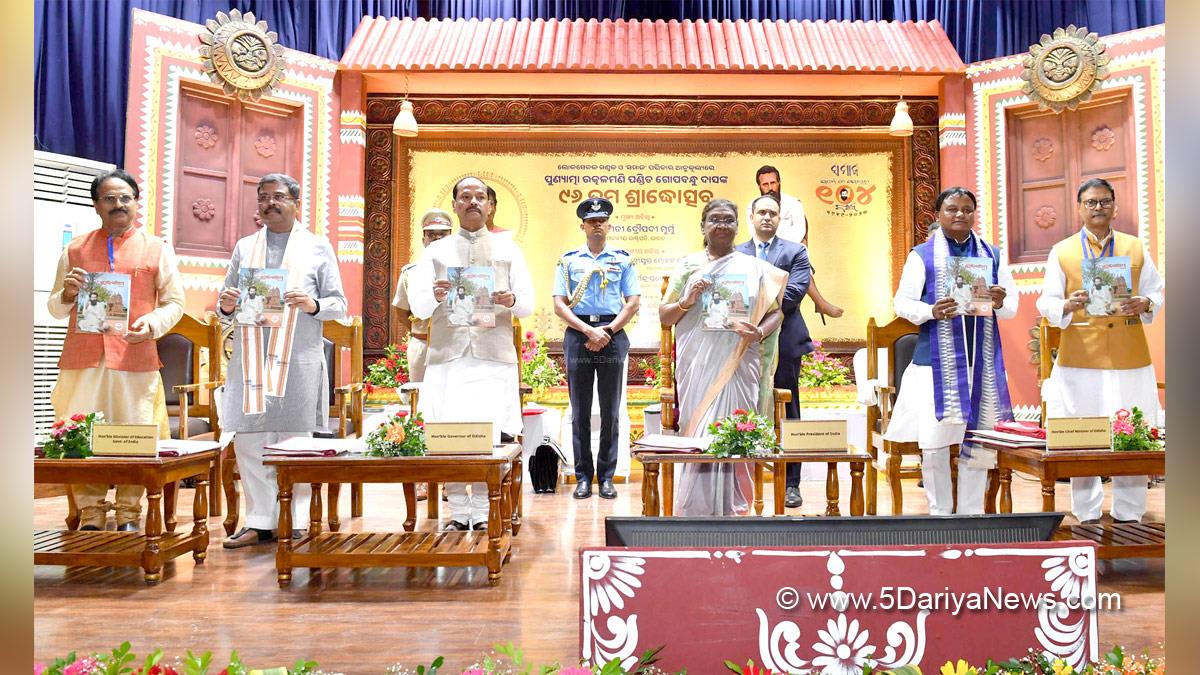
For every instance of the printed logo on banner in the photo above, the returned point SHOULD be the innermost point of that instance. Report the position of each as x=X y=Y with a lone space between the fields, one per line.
x=845 y=192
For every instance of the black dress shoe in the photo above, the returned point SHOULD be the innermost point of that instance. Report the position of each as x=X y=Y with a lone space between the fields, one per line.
x=583 y=489
x=457 y=525
x=607 y=491
x=792 y=498
x=128 y=527
x=479 y=526
x=89 y=528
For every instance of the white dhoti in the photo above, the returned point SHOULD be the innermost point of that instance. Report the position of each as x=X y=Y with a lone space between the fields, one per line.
x=468 y=389
x=914 y=420
x=1092 y=392
x=259 y=484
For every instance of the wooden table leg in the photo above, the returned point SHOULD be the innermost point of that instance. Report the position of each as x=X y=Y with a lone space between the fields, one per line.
x=872 y=486
x=518 y=496
x=170 y=503
x=779 y=481
x=335 y=501
x=215 y=473
x=668 y=489
x=1048 y=494
x=758 y=488
x=857 y=507
x=356 y=500
x=200 y=515
x=433 y=502
x=410 y=506
x=506 y=513
x=832 y=491
x=232 y=502
x=650 y=488
x=283 y=554
x=315 y=511
x=494 y=529
x=993 y=488
x=1005 y=490
x=152 y=553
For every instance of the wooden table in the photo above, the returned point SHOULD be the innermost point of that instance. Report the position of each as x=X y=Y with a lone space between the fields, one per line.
x=1116 y=540
x=148 y=550
x=652 y=461
x=502 y=471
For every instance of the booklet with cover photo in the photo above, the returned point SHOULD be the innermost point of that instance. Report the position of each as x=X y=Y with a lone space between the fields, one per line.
x=103 y=304
x=470 y=297
x=1108 y=282
x=261 y=299
x=969 y=282
x=726 y=302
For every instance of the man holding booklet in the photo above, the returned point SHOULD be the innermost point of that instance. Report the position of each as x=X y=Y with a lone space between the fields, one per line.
x=1103 y=361
x=956 y=380
x=116 y=374
x=277 y=380
x=472 y=373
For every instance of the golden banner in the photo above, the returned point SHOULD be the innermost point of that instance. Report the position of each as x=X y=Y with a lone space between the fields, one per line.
x=658 y=197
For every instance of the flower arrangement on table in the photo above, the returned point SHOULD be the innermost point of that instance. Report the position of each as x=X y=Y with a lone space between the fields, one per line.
x=1132 y=432
x=401 y=436
x=538 y=370
x=652 y=370
x=1115 y=662
x=819 y=369
x=71 y=439
x=507 y=659
x=121 y=660
x=387 y=374
x=745 y=433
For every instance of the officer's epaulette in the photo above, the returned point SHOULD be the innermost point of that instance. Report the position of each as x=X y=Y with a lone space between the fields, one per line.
x=621 y=251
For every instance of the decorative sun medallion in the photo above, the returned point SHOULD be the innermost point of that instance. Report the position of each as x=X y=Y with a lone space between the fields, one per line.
x=241 y=55
x=1064 y=70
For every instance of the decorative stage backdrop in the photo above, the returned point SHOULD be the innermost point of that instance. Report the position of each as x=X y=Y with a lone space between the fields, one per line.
x=658 y=198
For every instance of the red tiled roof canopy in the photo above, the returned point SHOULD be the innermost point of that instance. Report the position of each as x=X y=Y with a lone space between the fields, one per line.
x=657 y=46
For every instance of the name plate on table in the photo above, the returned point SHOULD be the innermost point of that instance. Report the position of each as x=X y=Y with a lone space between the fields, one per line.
x=1078 y=433
x=800 y=436
x=458 y=438
x=125 y=440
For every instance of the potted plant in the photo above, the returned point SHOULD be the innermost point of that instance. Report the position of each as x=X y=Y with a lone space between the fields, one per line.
x=745 y=433
x=538 y=370
x=71 y=439
x=400 y=436
x=387 y=374
x=1131 y=432
x=823 y=377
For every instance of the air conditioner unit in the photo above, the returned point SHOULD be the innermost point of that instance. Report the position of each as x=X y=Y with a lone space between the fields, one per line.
x=62 y=210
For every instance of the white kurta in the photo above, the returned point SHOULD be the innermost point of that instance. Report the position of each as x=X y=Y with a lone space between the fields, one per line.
x=914 y=417
x=1094 y=392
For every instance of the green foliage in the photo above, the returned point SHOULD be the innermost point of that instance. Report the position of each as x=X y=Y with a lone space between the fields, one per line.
x=538 y=370
x=652 y=370
x=819 y=369
x=71 y=439
x=401 y=436
x=1131 y=432
x=392 y=369
x=742 y=434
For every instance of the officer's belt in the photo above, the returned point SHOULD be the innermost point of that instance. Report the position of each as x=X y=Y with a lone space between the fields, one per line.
x=596 y=319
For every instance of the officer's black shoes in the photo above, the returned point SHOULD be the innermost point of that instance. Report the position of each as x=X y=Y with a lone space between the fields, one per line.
x=455 y=525
x=792 y=498
x=583 y=489
x=607 y=491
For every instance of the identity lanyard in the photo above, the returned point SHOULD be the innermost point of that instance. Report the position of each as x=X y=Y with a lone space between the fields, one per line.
x=111 y=258
x=1106 y=252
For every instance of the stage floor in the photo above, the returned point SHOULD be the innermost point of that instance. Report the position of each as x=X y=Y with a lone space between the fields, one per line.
x=361 y=621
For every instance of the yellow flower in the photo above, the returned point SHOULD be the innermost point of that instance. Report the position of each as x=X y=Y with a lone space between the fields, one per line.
x=961 y=668
x=1061 y=668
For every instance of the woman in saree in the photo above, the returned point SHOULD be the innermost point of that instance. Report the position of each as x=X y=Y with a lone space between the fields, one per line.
x=720 y=371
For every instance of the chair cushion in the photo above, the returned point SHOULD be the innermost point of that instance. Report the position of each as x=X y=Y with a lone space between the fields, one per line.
x=902 y=352
x=195 y=427
x=175 y=353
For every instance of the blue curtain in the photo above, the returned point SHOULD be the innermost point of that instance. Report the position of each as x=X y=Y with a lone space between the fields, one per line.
x=81 y=47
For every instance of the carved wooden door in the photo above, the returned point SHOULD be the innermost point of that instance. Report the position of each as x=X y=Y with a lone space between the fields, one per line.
x=1049 y=155
x=225 y=146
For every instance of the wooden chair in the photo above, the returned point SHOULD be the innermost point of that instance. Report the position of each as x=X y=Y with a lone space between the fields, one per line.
x=899 y=338
x=346 y=405
x=184 y=377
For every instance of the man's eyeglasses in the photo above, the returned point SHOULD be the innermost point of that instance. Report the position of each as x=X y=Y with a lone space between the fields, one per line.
x=277 y=197
x=1102 y=203
x=113 y=200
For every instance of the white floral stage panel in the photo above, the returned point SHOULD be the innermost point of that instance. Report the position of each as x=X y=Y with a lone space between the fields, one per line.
x=832 y=610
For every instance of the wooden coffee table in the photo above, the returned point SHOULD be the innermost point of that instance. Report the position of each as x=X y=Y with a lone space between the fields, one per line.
x=148 y=549
x=502 y=471
x=1116 y=540
x=655 y=463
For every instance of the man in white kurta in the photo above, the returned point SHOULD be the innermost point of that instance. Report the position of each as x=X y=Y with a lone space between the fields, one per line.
x=1103 y=363
x=435 y=224
x=115 y=374
x=472 y=373
x=914 y=418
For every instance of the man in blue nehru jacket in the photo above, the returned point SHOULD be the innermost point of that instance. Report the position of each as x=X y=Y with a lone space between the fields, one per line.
x=596 y=294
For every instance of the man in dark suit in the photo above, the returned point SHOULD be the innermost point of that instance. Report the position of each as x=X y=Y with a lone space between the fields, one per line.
x=794 y=341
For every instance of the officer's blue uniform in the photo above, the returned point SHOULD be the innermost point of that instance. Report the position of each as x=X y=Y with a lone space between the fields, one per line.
x=600 y=302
